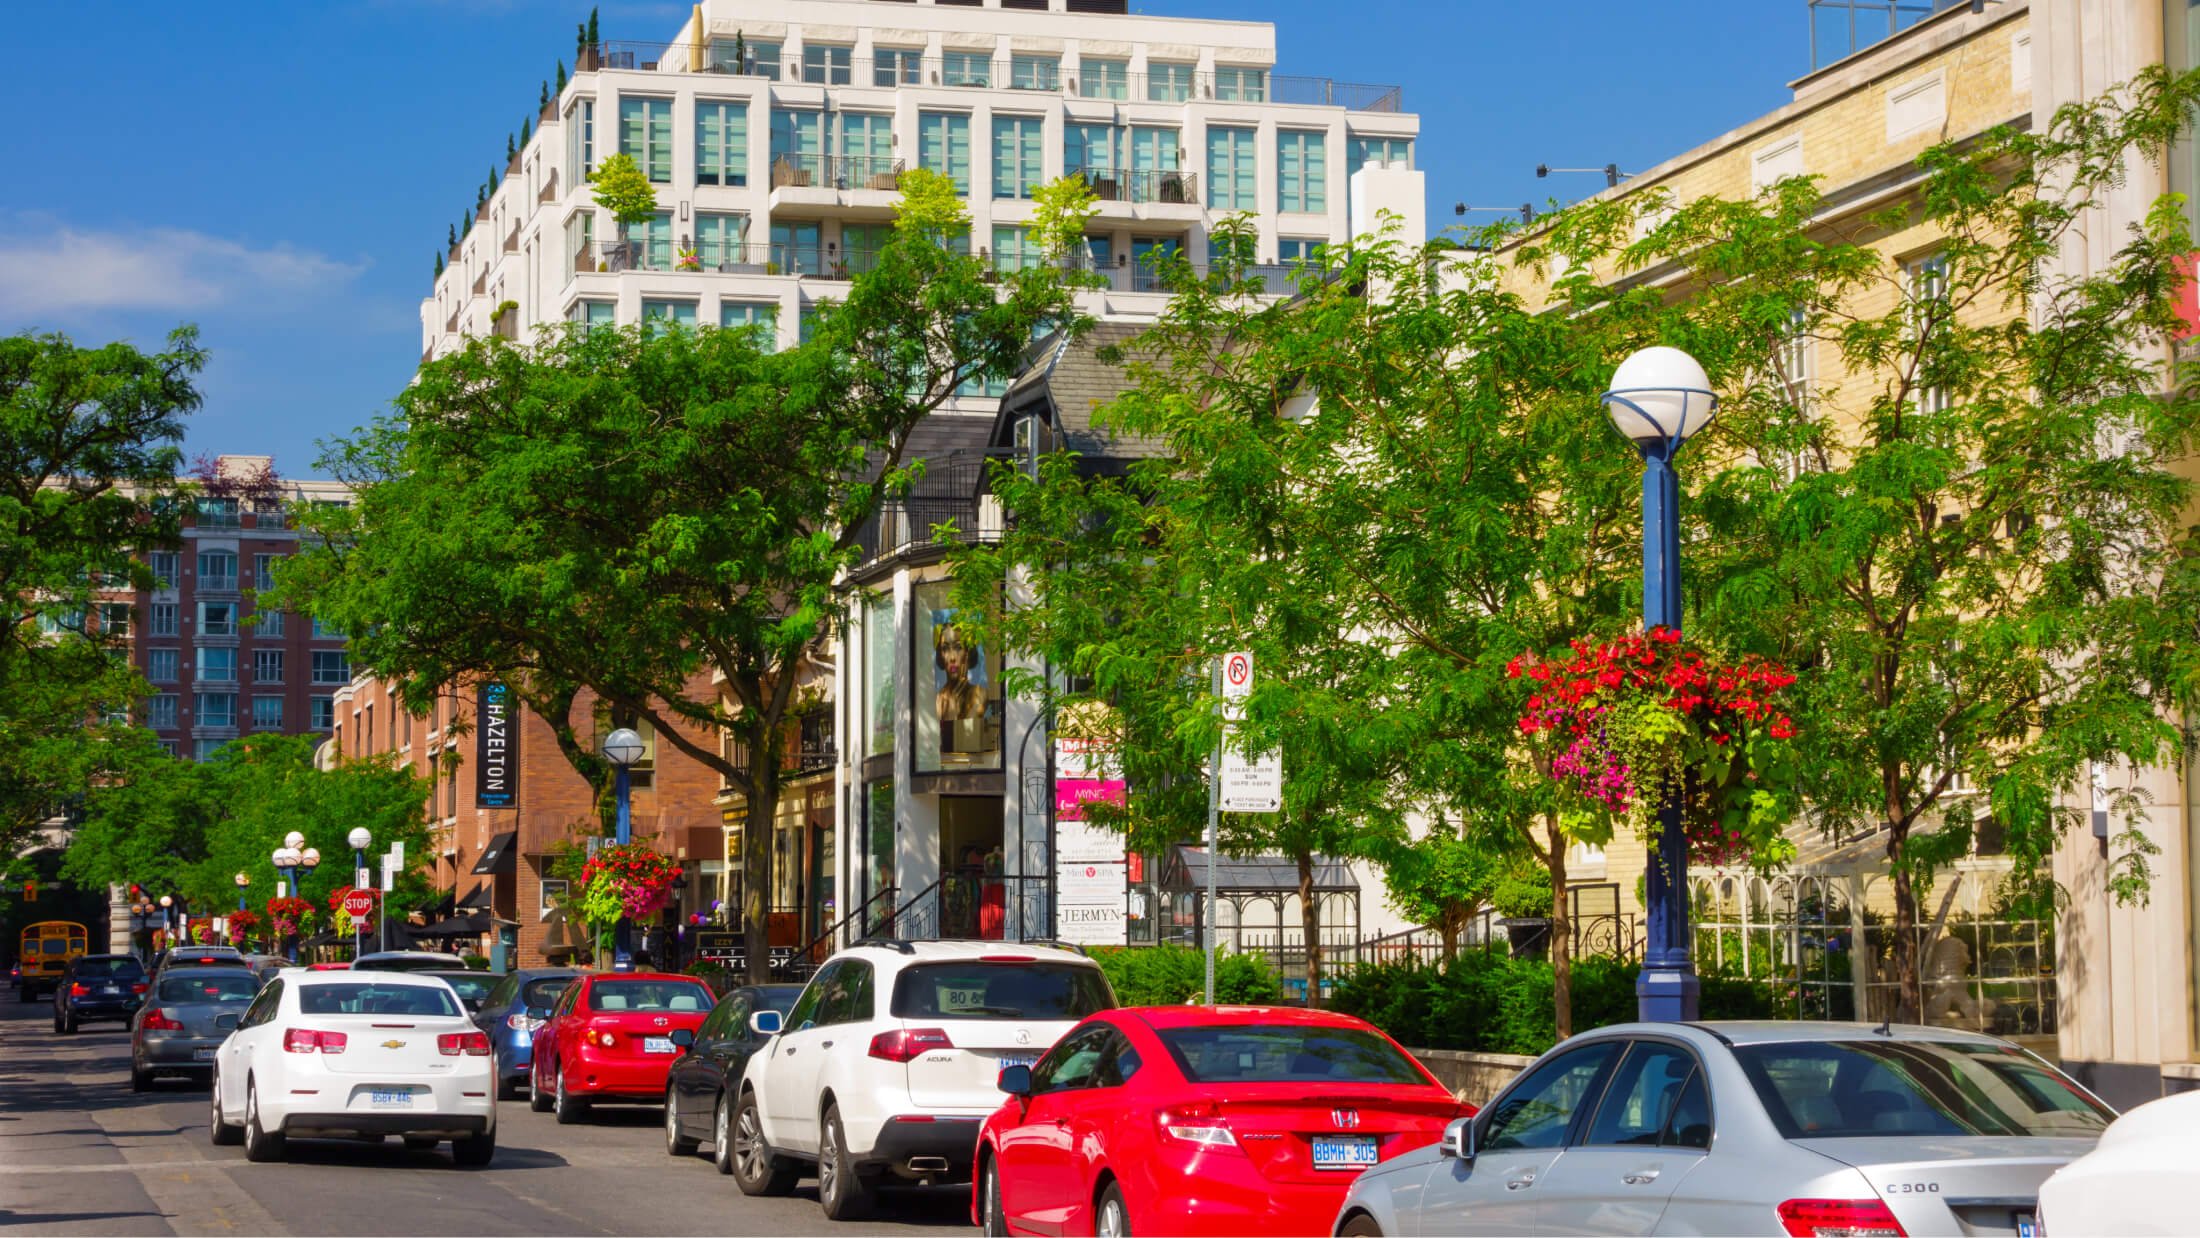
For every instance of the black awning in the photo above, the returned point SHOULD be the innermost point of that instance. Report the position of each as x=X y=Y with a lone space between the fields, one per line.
x=480 y=898
x=473 y=925
x=498 y=858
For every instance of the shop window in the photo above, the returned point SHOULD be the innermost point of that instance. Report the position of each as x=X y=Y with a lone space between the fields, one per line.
x=955 y=689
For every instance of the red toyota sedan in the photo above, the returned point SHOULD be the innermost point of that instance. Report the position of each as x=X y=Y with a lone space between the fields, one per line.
x=610 y=1038
x=1184 y=1120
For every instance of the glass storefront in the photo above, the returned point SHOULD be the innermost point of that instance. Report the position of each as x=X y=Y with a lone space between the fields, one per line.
x=877 y=851
x=879 y=666
x=958 y=704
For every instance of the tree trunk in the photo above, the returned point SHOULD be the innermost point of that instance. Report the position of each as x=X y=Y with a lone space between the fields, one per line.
x=1562 y=946
x=1448 y=926
x=1310 y=923
x=756 y=858
x=1910 y=994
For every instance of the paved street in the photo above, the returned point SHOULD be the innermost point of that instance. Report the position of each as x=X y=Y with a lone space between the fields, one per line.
x=81 y=1154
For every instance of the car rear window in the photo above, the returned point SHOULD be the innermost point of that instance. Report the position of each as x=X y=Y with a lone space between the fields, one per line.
x=110 y=969
x=1056 y=992
x=1857 y=1088
x=1284 y=1053
x=544 y=992
x=369 y=997
x=471 y=986
x=209 y=986
x=675 y=996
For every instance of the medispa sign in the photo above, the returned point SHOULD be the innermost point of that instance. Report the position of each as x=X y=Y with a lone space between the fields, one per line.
x=496 y=749
x=1090 y=865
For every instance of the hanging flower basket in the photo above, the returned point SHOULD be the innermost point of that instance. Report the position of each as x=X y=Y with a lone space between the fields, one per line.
x=627 y=882
x=241 y=924
x=287 y=916
x=1633 y=720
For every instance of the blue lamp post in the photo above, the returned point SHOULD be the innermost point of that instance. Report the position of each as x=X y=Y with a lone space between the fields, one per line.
x=623 y=748
x=1660 y=398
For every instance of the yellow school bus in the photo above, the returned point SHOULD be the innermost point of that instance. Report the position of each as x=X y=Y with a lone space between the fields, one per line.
x=47 y=948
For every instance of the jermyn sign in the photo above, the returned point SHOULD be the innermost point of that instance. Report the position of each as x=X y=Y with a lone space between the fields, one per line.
x=496 y=755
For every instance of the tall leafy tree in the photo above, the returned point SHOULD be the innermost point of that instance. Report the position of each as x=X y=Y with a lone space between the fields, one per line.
x=88 y=450
x=628 y=511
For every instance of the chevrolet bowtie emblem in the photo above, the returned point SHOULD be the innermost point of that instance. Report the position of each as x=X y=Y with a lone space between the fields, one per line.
x=393 y=1044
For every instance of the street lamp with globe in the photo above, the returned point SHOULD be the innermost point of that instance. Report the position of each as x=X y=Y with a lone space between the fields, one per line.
x=1660 y=398
x=360 y=839
x=623 y=748
x=168 y=919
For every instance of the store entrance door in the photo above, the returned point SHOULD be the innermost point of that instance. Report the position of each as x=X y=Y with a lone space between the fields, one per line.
x=973 y=897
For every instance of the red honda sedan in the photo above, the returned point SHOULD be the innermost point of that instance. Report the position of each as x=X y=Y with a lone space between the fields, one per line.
x=1185 y=1120
x=609 y=1038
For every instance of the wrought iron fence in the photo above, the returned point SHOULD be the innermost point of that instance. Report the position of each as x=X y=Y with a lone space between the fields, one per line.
x=974 y=907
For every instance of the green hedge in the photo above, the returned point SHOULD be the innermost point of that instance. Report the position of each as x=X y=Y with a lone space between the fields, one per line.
x=1493 y=1003
x=1173 y=975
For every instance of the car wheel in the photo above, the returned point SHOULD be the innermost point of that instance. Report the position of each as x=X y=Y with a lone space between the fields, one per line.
x=569 y=1110
x=676 y=1144
x=140 y=1079
x=260 y=1144
x=994 y=1213
x=1360 y=1226
x=755 y=1170
x=1113 y=1218
x=475 y=1151
x=538 y=1096
x=844 y=1196
x=507 y=1087
x=218 y=1130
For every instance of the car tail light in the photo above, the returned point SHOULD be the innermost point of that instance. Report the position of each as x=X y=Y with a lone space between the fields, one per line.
x=137 y=988
x=606 y=1039
x=471 y=1044
x=160 y=1021
x=78 y=990
x=905 y=1044
x=1839 y=1218
x=523 y=1022
x=1197 y=1124
x=306 y=1040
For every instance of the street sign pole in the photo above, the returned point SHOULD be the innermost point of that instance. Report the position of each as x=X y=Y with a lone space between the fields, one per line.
x=1214 y=832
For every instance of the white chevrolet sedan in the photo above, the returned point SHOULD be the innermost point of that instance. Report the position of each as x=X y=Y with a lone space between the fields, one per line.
x=355 y=1054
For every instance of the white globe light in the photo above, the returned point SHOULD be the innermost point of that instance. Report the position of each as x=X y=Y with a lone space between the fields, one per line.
x=294 y=840
x=361 y=838
x=623 y=747
x=310 y=858
x=167 y=901
x=284 y=857
x=1660 y=395
x=243 y=881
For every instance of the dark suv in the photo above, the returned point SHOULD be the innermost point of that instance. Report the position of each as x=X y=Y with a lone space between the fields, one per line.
x=98 y=986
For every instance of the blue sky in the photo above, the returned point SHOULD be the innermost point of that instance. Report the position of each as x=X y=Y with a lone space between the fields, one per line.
x=282 y=173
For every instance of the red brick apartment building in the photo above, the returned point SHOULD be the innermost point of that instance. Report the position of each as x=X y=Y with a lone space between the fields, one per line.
x=220 y=666
x=505 y=799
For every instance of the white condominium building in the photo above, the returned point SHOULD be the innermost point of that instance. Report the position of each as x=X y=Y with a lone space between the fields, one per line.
x=775 y=133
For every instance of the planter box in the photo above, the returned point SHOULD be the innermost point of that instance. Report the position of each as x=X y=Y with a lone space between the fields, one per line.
x=1475 y=1078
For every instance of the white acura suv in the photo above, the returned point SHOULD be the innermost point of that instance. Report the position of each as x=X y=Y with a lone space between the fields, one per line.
x=355 y=1053
x=891 y=1059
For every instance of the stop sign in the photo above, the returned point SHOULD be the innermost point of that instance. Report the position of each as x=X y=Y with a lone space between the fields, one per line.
x=359 y=903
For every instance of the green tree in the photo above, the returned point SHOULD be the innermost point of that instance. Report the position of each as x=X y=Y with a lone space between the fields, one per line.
x=88 y=465
x=929 y=204
x=191 y=826
x=1059 y=211
x=1976 y=544
x=633 y=511
x=622 y=189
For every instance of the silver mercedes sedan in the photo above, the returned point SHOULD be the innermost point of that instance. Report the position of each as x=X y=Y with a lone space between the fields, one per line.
x=1747 y=1128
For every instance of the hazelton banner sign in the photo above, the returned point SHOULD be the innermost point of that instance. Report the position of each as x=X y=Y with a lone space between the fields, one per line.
x=496 y=749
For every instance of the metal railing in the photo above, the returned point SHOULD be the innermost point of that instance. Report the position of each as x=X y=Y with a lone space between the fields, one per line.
x=975 y=907
x=836 y=172
x=1033 y=74
x=1841 y=28
x=1123 y=185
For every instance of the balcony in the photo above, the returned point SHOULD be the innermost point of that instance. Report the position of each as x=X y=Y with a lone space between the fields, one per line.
x=837 y=186
x=1031 y=75
x=481 y=282
x=1140 y=188
x=511 y=239
x=947 y=494
x=549 y=190
x=613 y=257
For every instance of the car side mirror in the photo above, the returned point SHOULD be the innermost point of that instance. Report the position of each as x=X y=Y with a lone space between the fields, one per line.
x=225 y=1023
x=766 y=1022
x=1459 y=1139
x=1016 y=1081
x=684 y=1037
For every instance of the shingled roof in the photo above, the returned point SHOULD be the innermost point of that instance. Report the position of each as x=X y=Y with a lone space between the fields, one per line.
x=1070 y=380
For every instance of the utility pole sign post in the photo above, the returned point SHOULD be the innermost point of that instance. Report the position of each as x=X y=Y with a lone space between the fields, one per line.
x=1235 y=783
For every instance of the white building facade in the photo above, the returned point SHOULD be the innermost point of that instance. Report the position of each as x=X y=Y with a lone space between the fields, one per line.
x=775 y=135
